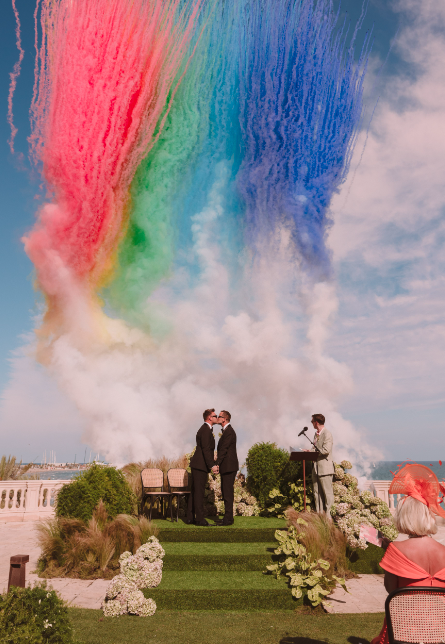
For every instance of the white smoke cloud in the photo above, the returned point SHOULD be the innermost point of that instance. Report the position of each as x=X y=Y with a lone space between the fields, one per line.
x=264 y=361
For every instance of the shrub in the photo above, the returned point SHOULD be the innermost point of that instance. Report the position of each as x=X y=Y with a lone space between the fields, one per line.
x=74 y=548
x=35 y=616
x=275 y=480
x=310 y=575
x=78 y=499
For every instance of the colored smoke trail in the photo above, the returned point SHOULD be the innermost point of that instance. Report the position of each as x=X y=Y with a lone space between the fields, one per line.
x=104 y=71
x=172 y=183
x=301 y=104
x=13 y=76
x=210 y=257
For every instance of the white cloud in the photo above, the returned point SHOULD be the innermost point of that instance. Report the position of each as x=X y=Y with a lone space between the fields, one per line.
x=388 y=237
x=35 y=416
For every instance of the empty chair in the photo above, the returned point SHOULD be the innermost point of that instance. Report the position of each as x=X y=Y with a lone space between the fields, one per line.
x=153 y=488
x=416 y=615
x=178 y=482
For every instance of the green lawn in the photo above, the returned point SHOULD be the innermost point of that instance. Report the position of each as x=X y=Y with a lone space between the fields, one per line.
x=239 y=522
x=187 y=580
x=167 y=627
x=186 y=549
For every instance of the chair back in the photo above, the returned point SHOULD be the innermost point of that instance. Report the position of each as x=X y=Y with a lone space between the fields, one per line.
x=416 y=615
x=178 y=479
x=152 y=478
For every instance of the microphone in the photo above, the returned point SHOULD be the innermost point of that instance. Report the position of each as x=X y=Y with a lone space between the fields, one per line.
x=304 y=430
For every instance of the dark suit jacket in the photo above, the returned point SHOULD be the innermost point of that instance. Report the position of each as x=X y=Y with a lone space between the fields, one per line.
x=227 y=458
x=204 y=456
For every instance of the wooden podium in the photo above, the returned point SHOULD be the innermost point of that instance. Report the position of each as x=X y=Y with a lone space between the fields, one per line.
x=304 y=456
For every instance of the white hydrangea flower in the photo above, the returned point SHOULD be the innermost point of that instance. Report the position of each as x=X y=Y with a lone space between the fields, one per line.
x=119 y=584
x=112 y=608
x=240 y=508
x=147 y=609
x=135 y=601
x=339 y=488
x=366 y=496
x=151 y=550
x=342 y=508
x=339 y=473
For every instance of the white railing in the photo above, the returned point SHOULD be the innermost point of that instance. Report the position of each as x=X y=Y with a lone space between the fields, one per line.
x=33 y=500
x=28 y=500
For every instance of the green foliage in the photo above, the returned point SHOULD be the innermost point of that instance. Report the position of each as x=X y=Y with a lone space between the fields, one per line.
x=35 y=616
x=275 y=480
x=78 y=499
x=307 y=577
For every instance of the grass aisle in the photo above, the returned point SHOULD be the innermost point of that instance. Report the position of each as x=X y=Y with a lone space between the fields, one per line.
x=203 y=627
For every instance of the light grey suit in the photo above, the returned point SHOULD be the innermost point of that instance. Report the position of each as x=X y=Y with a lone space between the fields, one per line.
x=322 y=473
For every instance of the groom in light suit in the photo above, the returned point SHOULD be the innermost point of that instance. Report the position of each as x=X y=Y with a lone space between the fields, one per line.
x=323 y=469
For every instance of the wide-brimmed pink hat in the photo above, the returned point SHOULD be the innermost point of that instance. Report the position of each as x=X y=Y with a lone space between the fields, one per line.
x=422 y=484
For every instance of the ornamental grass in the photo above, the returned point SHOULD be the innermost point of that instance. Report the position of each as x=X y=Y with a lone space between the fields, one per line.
x=322 y=540
x=89 y=550
x=11 y=470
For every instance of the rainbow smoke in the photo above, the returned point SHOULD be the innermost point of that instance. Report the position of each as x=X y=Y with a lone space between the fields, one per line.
x=191 y=150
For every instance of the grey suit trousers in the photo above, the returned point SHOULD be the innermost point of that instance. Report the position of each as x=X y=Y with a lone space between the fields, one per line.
x=323 y=492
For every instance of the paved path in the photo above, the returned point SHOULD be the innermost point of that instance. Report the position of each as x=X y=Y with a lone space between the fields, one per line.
x=20 y=539
x=366 y=593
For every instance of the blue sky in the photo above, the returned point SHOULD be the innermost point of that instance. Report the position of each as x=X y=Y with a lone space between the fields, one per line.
x=387 y=243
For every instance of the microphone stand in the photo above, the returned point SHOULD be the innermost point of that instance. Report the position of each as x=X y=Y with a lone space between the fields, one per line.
x=313 y=444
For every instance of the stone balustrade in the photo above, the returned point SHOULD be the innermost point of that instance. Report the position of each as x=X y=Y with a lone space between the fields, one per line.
x=28 y=500
x=33 y=500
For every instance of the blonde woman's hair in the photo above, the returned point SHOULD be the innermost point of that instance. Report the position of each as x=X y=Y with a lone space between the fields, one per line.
x=414 y=518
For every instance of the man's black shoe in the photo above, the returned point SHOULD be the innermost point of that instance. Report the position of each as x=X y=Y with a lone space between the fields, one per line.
x=189 y=521
x=204 y=523
x=227 y=522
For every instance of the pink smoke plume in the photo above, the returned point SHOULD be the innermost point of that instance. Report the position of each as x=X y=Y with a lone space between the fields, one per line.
x=13 y=76
x=103 y=76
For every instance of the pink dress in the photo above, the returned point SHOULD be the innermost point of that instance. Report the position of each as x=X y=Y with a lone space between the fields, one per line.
x=408 y=574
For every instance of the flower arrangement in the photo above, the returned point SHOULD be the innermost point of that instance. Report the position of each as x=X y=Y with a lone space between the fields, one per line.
x=245 y=504
x=141 y=570
x=352 y=508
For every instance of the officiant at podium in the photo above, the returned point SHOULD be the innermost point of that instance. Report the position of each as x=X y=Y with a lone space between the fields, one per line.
x=323 y=469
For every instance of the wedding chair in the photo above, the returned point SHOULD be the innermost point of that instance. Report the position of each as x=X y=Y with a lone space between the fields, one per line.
x=153 y=488
x=178 y=482
x=416 y=615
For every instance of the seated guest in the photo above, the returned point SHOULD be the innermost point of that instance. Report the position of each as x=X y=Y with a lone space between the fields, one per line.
x=420 y=560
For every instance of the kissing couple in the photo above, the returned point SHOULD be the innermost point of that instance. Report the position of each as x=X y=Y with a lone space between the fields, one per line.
x=203 y=462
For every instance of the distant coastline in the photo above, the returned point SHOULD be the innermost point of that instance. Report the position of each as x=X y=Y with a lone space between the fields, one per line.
x=383 y=470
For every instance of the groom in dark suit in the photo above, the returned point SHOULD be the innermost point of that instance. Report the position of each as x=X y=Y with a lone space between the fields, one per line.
x=227 y=464
x=202 y=461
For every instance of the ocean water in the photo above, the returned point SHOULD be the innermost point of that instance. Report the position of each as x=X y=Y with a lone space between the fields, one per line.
x=383 y=470
x=63 y=475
